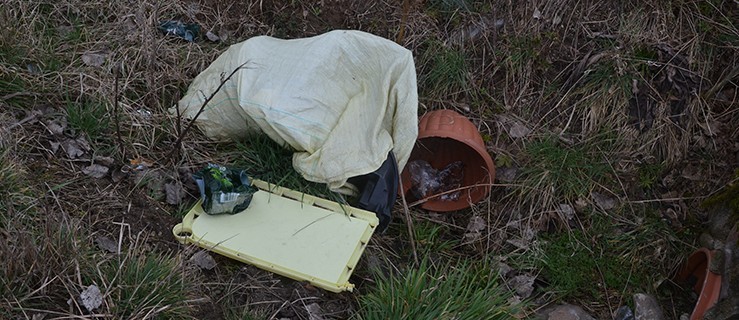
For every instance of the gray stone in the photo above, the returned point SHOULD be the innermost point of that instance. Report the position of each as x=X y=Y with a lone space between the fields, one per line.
x=708 y=241
x=719 y=224
x=604 y=201
x=506 y=174
x=567 y=312
x=203 y=260
x=523 y=285
x=647 y=308
x=106 y=244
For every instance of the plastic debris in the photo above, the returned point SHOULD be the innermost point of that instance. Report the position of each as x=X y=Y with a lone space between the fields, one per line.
x=427 y=181
x=187 y=31
x=224 y=190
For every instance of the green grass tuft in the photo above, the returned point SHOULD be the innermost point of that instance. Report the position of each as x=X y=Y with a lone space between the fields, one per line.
x=89 y=116
x=454 y=291
x=430 y=239
x=622 y=258
x=146 y=286
x=571 y=171
x=448 y=72
x=649 y=174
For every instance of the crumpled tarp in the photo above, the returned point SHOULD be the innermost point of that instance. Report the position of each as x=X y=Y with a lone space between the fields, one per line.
x=342 y=100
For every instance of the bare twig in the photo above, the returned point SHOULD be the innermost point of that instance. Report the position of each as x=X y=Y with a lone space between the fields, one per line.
x=408 y=221
x=35 y=114
x=15 y=94
x=181 y=135
x=403 y=20
x=431 y=197
x=178 y=125
x=116 y=102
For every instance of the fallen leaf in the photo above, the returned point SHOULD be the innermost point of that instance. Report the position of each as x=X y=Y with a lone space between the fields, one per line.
x=96 y=171
x=537 y=14
x=64 y=31
x=94 y=59
x=75 y=148
x=54 y=146
x=106 y=244
x=557 y=19
x=203 y=260
x=710 y=128
x=56 y=126
x=504 y=269
x=514 y=224
x=513 y=300
x=604 y=201
x=154 y=181
x=518 y=243
x=91 y=298
x=314 y=311
x=567 y=211
x=528 y=233
x=174 y=192
x=118 y=175
x=106 y=161
x=692 y=173
x=518 y=130
x=212 y=36
x=476 y=224
x=580 y=203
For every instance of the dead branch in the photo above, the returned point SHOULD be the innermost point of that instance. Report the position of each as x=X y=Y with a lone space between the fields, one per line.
x=116 y=119
x=181 y=135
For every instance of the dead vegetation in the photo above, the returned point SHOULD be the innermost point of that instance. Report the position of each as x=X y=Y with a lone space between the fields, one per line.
x=610 y=122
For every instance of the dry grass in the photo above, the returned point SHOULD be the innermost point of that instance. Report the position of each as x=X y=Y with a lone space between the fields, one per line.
x=616 y=87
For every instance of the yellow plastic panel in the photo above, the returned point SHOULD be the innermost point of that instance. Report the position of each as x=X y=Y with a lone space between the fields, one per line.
x=290 y=233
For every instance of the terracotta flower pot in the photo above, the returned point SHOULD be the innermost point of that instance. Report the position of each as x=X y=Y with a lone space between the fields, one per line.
x=445 y=136
x=707 y=284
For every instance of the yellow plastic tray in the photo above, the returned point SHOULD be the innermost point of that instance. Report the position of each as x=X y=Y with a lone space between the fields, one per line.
x=286 y=232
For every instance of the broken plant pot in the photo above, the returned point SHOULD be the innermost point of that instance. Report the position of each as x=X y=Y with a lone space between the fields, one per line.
x=706 y=283
x=445 y=137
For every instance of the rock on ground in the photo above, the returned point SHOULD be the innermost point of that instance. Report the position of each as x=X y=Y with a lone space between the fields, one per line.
x=647 y=308
x=566 y=312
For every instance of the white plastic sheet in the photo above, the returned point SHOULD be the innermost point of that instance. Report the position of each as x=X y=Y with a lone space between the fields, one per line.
x=342 y=100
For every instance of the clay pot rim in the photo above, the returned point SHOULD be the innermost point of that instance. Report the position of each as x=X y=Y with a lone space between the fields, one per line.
x=473 y=140
x=710 y=288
